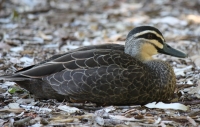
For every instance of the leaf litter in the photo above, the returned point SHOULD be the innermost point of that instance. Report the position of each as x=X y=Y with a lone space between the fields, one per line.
x=32 y=31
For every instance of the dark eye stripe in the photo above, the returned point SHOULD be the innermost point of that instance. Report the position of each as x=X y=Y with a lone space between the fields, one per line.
x=154 y=37
x=155 y=46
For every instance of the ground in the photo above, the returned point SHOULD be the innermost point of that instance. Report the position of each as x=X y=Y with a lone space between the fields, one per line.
x=31 y=31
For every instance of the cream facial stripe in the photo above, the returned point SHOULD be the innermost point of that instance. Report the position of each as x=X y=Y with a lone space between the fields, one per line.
x=154 y=42
x=149 y=31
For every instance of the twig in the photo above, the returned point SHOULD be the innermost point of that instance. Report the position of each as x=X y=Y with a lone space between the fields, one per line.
x=36 y=109
x=181 y=86
x=44 y=121
x=193 y=102
x=88 y=106
x=22 y=121
x=191 y=121
x=81 y=104
x=128 y=107
x=41 y=10
x=194 y=113
x=110 y=122
x=19 y=110
x=1 y=3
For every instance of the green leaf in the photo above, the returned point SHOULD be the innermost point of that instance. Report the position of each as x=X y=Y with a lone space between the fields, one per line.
x=14 y=90
x=14 y=15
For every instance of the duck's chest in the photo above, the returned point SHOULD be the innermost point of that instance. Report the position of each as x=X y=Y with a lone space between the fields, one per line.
x=161 y=79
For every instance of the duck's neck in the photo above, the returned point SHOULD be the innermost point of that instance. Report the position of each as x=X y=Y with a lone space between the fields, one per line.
x=140 y=50
x=142 y=56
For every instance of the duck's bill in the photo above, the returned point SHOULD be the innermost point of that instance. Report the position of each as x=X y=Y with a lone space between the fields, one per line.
x=171 y=51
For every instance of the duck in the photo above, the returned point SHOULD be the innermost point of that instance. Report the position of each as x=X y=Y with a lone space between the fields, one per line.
x=105 y=74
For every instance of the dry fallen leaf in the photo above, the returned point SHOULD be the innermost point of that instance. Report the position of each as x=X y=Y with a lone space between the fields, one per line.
x=196 y=60
x=195 y=90
x=4 y=46
x=68 y=109
x=192 y=121
x=13 y=105
x=2 y=122
x=69 y=120
x=180 y=71
x=45 y=37
x=118 y=117
x=12 y=110
x=161 y=105
x=17 y=49
x=173 y=21
x=194 y=18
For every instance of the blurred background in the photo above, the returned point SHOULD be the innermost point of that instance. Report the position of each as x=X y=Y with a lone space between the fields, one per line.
x=32 y=30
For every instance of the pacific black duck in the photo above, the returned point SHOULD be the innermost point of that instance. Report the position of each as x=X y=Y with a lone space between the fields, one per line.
x=107 y=74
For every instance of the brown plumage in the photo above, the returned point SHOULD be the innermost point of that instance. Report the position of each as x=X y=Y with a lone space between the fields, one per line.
x=107 y=74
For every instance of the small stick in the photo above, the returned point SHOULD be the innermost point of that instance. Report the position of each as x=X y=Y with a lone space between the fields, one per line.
x=22 y=121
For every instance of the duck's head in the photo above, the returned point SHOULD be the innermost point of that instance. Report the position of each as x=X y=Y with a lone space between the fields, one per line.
x=144 y=41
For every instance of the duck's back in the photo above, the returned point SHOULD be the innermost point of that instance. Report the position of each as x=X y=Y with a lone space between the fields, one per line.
x=111 y=83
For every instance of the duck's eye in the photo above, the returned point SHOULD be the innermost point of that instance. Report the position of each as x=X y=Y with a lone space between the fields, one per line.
x=150 y=36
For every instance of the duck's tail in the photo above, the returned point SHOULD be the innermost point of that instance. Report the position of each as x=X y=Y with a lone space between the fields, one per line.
x=13 y=78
